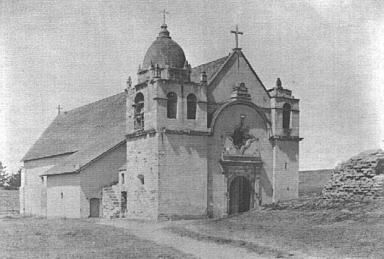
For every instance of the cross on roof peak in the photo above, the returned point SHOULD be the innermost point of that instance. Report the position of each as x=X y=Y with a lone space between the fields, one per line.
x=237 y=33
x=59 y=108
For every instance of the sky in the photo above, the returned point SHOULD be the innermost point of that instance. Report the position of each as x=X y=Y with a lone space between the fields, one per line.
x=69 y=53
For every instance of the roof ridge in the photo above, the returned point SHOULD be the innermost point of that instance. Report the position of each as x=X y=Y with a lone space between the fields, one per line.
x=93 y=103
x=210 y=62
x=71 y=131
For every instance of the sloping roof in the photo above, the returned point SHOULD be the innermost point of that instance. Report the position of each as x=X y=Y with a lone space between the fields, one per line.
x=92 y=124
x=79 y=160
x=211 y=68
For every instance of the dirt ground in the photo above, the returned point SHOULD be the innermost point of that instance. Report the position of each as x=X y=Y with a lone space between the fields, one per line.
x=343 y=230
x=41 y=238
x=348 y=230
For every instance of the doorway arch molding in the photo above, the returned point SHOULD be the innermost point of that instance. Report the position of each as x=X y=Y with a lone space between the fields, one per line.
x=246 y=167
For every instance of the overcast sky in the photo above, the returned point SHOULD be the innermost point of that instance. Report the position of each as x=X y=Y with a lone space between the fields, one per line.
x=330 y=53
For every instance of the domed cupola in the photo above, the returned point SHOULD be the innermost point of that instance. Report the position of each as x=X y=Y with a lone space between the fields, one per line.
x=164 y=52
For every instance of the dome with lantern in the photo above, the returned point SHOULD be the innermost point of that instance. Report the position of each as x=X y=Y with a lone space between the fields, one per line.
x=164 y=52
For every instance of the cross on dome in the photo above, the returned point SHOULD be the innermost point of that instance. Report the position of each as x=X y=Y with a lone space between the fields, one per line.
x=164 y=12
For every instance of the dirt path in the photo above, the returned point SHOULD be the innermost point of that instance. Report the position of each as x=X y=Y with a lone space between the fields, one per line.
x=199 y=248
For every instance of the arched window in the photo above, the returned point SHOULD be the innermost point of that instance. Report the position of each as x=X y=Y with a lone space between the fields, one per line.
x=171 y=105
x=191 y=107
x=286 y=115
x=139 y=111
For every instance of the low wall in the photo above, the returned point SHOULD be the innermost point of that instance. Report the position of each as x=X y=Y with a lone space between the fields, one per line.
x=361 y=177
x=9 y=202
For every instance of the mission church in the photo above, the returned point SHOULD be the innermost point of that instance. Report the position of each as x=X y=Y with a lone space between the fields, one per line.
x=180 y=142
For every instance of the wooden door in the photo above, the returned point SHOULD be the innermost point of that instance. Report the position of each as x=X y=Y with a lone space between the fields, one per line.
x=239 y=195
x=94 y=208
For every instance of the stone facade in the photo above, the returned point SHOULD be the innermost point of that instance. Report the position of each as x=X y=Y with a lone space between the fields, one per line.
x=235 y=148
x=361 y=177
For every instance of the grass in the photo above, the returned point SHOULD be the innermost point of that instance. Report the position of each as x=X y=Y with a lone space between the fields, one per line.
x=354 y=230
x=60 y=238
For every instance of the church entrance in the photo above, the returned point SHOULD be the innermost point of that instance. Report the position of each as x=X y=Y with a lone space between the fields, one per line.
x=239 y=195
x=94 y=208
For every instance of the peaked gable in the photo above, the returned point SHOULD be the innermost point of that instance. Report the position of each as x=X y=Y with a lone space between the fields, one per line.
x=234 y=70
x=211 y=68
x=76 y=129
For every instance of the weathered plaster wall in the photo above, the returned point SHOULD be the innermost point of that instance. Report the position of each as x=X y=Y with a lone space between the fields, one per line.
x=142 y=159
x=102 y=172
x=183 y=175
x=63 y=196
x=225 y=126
x=286 y=172
x=33 y=189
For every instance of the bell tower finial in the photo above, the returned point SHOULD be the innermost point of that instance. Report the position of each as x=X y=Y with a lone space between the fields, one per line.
x=164 y=12
x=164 y=33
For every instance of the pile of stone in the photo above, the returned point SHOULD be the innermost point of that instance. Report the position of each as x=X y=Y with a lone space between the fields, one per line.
x=359 y=178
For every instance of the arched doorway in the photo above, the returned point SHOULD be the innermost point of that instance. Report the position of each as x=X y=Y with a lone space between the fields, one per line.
x=239 y=195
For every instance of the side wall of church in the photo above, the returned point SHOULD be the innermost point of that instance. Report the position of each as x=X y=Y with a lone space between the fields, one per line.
x=63 y=196
x=33 y=189
x=142 y=177
x=286 y=175
x=102 y=172
x=183 y=175
x=225 y=125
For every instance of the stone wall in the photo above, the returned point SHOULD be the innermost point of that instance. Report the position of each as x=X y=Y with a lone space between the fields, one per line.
x=111 y=205
x=9 y=202
x=361 y=177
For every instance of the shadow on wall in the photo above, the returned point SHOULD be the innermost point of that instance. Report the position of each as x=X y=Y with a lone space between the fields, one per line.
x=266 y=183
x=177 y=142
x=290 y=150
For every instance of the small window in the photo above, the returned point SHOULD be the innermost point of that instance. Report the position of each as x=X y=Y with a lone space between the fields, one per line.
x=122 y=178
x=141 y=178
x=286 y=116
x=62 y=195
x=139 y=112
x=171 y=105
x=191 y=107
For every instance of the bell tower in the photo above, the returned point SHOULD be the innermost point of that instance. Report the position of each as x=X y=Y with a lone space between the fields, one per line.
x=285 y=140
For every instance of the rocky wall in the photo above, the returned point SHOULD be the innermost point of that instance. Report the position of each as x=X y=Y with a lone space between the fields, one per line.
x=359 y=178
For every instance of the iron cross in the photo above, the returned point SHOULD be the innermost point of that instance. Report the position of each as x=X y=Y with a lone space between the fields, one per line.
x=164 y=12
x=237 y=33
x=59 y=108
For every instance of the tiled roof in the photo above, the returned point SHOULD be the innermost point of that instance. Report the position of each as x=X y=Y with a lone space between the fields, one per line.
x=211 y=68
x=92 y=124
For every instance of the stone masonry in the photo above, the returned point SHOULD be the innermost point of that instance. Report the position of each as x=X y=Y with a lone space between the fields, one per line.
x=111 y=202
x=359 y=178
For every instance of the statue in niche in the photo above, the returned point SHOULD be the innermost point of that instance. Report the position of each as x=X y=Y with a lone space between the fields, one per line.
x=240 y=140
